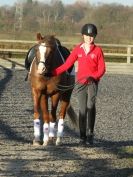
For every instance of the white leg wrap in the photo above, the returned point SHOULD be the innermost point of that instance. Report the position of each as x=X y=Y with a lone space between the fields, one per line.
x=60 y=128
x=46 y=131
x=37 y=129
x=52 y=129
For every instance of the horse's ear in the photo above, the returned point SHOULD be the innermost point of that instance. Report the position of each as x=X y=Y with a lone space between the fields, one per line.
x=39 y=36
x=54 y=35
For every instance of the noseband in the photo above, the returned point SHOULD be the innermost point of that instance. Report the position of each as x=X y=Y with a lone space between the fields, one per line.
x=38 y=61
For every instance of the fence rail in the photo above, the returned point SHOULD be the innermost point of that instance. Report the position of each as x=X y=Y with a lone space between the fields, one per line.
x=128 y=53
x=127 y=50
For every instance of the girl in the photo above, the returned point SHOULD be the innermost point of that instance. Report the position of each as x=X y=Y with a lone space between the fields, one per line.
x=91 y=67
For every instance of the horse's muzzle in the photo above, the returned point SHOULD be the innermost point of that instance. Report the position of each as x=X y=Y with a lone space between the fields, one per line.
x=41 y=68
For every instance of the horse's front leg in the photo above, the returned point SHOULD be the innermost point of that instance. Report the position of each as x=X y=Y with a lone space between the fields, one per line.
x=45 y=117
x=62 y=113
x=52 y=125
x=36 y=97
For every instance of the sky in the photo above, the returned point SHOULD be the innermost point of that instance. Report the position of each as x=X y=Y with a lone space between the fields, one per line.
x=123 y=2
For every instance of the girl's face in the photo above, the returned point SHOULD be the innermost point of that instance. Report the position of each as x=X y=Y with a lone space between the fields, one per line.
x=88 y=39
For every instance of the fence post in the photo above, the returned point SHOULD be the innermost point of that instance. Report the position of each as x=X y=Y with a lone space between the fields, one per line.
x=128 y=54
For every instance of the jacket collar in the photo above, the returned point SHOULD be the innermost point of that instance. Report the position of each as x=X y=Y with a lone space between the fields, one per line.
x=91 y=47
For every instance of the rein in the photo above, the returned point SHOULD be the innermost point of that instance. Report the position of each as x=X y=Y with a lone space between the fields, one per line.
x=72 y=86
x=59 y=86
x=61 y=55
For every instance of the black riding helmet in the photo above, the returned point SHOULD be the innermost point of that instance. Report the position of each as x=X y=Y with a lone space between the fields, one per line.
x=89 y=30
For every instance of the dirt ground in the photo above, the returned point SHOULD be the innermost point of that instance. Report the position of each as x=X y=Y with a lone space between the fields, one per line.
x=111 y=155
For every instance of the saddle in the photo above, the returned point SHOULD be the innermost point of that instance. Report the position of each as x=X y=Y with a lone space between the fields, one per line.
x=29 y=57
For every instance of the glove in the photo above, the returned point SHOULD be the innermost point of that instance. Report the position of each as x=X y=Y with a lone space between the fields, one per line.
x=91 y=79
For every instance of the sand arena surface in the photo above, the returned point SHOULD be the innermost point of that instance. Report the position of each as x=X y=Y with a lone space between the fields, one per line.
x=113 y=131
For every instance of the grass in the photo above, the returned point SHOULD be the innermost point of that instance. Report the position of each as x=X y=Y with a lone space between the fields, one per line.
x=116 y=59
x=127 y=150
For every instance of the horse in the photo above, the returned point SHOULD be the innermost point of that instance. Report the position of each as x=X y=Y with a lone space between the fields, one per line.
x=49 y=91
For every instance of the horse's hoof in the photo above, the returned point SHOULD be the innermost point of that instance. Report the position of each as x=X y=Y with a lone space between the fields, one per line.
x=36 y=143
x=45 y=143
x=58 y=141
x=51 y=141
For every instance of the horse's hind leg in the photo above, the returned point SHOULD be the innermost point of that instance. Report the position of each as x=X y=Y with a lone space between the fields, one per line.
x=65 y=100
x=36 y=96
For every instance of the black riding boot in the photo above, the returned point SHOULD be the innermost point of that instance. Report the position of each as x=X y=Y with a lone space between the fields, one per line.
x=82 y=128
x=91 y=123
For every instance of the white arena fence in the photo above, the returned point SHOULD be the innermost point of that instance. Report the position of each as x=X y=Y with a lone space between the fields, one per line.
x=113 y=51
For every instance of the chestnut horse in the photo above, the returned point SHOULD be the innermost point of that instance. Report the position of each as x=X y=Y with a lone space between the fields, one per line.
x=48 y=91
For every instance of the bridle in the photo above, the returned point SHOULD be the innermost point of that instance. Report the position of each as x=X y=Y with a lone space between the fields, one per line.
x=37 y=60
x=41 y=61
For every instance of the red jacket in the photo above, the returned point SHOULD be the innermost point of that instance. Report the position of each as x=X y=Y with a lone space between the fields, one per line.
x=89 y=65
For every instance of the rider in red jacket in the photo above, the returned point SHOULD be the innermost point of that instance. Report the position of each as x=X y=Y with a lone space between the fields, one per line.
x=90 y=68
x=90 y=63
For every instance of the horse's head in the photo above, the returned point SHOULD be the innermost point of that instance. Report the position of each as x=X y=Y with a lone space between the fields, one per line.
x=44 y=51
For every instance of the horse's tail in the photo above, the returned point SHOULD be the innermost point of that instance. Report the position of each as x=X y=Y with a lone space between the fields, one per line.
x=72 y=116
